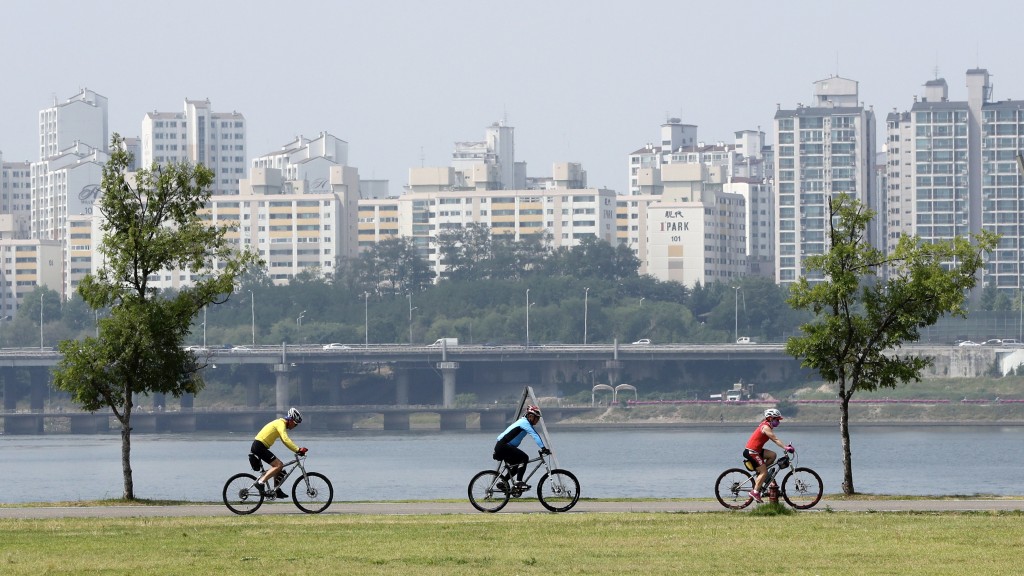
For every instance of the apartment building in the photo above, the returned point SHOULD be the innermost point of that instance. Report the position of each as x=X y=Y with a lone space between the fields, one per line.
x=200 y=136
x=696 y=231
x=952 y=171
x=821 y=150
x=16 y=196
x=438 y=199
x=25 y=264
x=490 y=164
x=81 y=118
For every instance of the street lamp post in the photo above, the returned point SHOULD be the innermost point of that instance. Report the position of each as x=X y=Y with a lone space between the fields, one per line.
x=252 y=305
x=586 y=313
x=204 y=326
x=366 y=319
x=41 y=320
x=642 y=298
x=299 y=319
x=527 y=317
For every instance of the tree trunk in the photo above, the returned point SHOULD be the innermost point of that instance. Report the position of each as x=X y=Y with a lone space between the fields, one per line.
x=126 y=454
x=844 y=433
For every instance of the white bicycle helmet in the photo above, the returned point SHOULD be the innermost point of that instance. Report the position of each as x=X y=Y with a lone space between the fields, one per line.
x=772 y=413
x=294 y=415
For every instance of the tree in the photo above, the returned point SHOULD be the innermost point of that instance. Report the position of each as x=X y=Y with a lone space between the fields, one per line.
x=151 y=227
x=868 y=305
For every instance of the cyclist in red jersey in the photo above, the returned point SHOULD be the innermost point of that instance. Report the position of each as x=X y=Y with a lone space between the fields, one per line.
x=757 y=454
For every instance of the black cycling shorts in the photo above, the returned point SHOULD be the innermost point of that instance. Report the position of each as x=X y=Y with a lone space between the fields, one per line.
x=262 y=452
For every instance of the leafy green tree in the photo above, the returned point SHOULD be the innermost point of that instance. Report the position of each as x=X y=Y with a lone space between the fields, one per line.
x=392 y=266
x=146 y=228
x=868 y=305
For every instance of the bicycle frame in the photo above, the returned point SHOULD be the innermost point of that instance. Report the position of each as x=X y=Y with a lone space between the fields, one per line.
x=286 y=469
x=541 y=461
x=773 y=470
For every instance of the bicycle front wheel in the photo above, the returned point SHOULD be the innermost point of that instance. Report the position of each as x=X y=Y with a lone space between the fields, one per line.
x=240 y=494
x=484 y=494
x=312 y=493
x=558 y=490
x=732 y=488
x=802 y=488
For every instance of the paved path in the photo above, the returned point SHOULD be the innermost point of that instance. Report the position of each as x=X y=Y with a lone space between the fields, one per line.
x=523 y=506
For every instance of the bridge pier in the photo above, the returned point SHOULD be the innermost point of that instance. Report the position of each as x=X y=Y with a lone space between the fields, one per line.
x=40 y=378
x=281 y=389
x=448 y=372
x=187 y=401
x=396 y=421
x=10 y=380
x=402 y=377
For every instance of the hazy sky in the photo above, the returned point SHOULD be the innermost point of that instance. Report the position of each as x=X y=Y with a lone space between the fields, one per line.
x=584 y=81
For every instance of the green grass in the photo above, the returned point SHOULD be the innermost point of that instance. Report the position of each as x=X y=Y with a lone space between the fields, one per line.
x=524 y=544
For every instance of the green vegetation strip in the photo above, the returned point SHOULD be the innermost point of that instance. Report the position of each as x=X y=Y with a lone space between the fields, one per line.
x=505 y=543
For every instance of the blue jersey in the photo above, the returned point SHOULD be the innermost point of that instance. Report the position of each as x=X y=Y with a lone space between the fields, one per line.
x=515 y=433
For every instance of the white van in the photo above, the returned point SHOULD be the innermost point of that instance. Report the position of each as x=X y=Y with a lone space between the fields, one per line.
x=446 y=342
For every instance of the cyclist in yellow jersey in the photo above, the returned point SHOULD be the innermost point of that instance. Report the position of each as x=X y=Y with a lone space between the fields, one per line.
x=277 y=428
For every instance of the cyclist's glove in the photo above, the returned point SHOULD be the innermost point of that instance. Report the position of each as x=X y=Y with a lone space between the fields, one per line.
x=302 y=451
x=790 y=449
x=545 y=451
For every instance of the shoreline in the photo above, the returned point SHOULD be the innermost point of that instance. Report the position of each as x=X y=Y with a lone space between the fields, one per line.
x=790 y=424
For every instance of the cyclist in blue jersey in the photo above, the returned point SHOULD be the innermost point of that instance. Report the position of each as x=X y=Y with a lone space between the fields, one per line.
x=507 y=448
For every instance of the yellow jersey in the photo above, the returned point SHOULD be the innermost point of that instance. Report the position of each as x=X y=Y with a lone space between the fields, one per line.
x=272 y=431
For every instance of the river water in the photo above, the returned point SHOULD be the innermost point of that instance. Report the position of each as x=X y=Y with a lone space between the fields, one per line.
x=665 y=463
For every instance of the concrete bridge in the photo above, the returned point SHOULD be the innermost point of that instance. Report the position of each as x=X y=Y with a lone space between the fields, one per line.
x=313 y=377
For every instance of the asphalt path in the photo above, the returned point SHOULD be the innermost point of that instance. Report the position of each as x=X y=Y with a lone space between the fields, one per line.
x=526 y=505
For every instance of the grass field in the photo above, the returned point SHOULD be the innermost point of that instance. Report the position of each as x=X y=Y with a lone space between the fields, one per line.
x=524 y=544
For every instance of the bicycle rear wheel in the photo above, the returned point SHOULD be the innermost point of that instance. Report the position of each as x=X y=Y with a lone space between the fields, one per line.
x=240 y=494
x=732 y=487
x=484 y=494
x=559 y=490
x=312 y=493
x=802 y=488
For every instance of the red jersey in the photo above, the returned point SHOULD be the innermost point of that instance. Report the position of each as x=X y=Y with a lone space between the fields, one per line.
x=758 y=438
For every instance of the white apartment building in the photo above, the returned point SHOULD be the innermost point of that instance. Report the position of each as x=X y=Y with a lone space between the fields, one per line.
x=79 y=119
x=821 y=151
x=759 y=222
x=64 y=185
x=73 y=147
x=952 y=171
x=435 y=201
x=490 y=164
x=696 y=232
x=200 y=136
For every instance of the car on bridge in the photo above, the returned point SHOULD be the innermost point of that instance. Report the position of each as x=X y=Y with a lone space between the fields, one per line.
x=643 y=342
x=336 y=346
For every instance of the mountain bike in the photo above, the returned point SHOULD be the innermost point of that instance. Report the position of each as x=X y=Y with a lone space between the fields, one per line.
x=312 y=492
x=558 y=490
x=801 y=488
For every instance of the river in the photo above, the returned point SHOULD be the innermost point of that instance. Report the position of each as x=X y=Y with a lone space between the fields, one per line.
x=665 y=463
